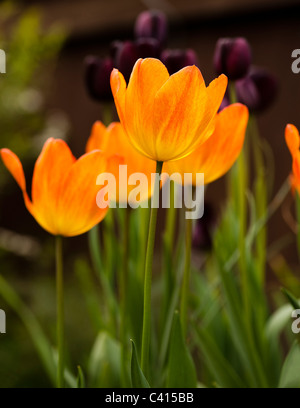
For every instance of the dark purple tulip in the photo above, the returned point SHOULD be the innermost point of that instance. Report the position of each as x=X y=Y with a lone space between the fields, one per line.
x=202 y=234
x=126 y=53
x=147 y=47
x=97 y=77
x=257 y=90
x=152 y=24
x=125 y=57
x=232 y=57
x=175 y=60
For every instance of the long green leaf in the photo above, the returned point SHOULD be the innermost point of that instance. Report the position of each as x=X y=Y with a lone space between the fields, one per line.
x=181 y=368
x=138 y=380
x=290 y=375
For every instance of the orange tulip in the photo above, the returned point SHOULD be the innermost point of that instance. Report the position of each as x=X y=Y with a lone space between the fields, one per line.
x=166 y=117
x=113 y=140
x=215 y=156
x=64 y=189
x=293 y=142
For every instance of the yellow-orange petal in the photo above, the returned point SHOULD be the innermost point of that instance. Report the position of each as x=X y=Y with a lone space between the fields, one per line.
x=114 y=141
x=77 y=210
x=215 y=91
x=98 y=139
x=14 y=166
x=166 y=117
x=147 y=78
x=296 y=169
x=50 y=170
x=179 y=105
x=215 y=156
x=64 y=190
x=118 y=87
x=292 y=138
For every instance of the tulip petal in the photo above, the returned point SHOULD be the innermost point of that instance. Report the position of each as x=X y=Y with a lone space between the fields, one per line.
x=215 y=91
x=14 y=166
x=118 y=87
x=178 y=105
x=49 y=173
x=77 y=210
x=296 y=169
x=97 y=139
x=292 y=138
x=113 y=140
x=147 y=77
x=215 y=156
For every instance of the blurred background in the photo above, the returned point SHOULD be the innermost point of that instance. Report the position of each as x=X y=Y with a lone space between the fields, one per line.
x=43 y=94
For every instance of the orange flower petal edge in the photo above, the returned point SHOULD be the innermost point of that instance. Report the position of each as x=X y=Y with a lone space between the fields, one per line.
x=292 y=138
x=293 y=143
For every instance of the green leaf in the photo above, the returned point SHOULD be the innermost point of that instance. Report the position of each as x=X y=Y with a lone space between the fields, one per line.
x=278 y=321
x=290 y=374
x=138 y=380
x=105 y=362
x=80 y=378
x=291 y=298
x=181 y=368
x=224 y=374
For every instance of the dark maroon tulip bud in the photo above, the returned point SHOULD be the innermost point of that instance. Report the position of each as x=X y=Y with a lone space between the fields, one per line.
x=175 y=60
x=125 y=57
x=115 y=47
x=257 y=90
x=126 y=53
x=97 y=77
x=147 y=47
x=232 y=57
x=202 y=234
x=152 y=24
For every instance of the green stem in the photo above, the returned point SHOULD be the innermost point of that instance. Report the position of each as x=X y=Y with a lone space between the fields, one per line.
x=148 y=275
x=60 y=311
x=168 y=251
x=123 y=291
x=186 y=275
x=95 y=251
x=260 y=198
x=232 y=93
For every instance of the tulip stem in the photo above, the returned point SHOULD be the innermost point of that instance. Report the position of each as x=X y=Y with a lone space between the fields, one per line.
x=148 y=273
x=186 y=275
x=123 y=292
x=60 y=311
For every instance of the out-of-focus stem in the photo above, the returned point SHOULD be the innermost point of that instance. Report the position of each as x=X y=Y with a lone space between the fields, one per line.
x=123 y=291
x=60 y=311
x=148 y=275
x=186 y=275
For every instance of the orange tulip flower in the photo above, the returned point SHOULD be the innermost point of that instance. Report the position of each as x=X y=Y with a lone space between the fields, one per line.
x=293 y=142
x=166 y=117
x=114 y=141
x=215 y=156
x=64 y=189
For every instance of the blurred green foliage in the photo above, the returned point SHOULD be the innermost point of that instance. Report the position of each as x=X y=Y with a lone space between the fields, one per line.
x=30 y=52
